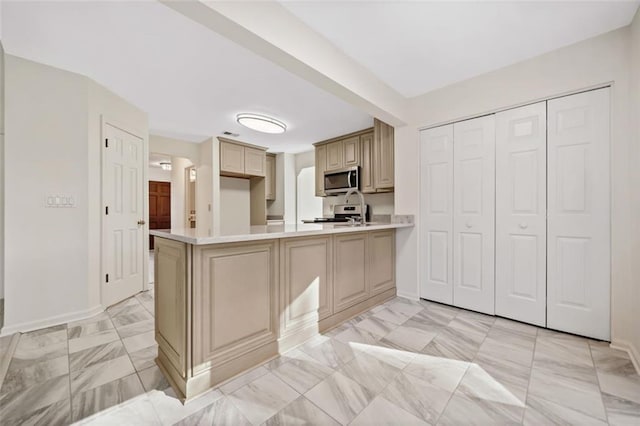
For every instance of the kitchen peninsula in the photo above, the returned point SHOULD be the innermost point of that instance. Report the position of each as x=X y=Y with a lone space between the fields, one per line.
x=226 y=303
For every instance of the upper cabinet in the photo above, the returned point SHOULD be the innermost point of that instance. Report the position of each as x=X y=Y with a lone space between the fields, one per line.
x=321 y=166
x=270 y=178
x=241 y=160
x=382 y=156
x=371 y=149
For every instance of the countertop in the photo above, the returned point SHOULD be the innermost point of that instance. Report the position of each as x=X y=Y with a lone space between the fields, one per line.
x=197 y=237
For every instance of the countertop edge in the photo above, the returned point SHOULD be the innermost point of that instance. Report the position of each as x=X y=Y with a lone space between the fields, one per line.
x=273 y=235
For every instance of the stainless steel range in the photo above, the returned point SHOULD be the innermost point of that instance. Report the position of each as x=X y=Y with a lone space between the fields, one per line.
x=342 y=213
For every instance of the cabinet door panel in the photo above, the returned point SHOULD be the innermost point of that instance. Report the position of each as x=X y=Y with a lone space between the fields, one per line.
x=305 y=293
x=520 y=213
x=231 y=158
x=254 y=162
x=578 y=281
x=436 y=177
x=334 y=155
x=270 y=178
x=321 y=165
x=367 y=184
x=382 y=265
x=473 y=218
x=383 y=155
x=350 y=270
x=351 y=151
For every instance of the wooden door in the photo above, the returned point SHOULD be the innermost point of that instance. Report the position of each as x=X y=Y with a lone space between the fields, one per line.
x=578 y=228
x=473 y=214
x=159 y=207
x=123 y=225
x=436 y=240
x=521 y=203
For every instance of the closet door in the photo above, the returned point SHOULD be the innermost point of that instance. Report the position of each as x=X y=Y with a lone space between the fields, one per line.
x=521 y=191
x=473 y=217
x=578 y=227
x=436 y=176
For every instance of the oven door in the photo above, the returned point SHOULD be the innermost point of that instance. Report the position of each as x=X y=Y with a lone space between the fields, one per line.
x=340 y=181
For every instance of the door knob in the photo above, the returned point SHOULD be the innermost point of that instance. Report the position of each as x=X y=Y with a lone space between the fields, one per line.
x=523 y=226
x=141 y=222
x=468 y=225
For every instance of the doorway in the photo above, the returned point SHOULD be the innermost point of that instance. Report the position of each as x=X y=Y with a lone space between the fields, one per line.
x=123 y=224
x=159 y=207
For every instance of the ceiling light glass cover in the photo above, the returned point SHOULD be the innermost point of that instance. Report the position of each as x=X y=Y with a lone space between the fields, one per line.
x=261 y=123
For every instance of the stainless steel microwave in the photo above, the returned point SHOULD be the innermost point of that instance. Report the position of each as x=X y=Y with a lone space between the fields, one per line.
x=340 y=181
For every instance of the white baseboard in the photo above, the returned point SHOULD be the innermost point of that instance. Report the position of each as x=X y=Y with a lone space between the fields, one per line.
x=409 y=296
x=623 y=345
x=51 y=321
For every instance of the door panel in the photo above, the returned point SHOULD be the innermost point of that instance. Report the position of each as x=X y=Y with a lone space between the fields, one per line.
x=436 y=179
x=122 y=192
x=334 y=156
x=520 y=213
x=350 y=262
x=473 y=214
x=578 y=228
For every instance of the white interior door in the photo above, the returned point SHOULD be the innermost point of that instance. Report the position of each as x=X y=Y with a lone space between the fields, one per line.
x=578 y=227
x=436 y=174
x=521 y=203
x=473 y=214
x=123 y=225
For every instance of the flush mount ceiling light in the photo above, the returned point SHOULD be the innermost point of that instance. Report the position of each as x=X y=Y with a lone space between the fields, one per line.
x=165 y=166
x=261 y=123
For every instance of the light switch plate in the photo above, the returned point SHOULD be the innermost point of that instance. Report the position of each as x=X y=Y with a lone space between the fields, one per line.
x=57 y=201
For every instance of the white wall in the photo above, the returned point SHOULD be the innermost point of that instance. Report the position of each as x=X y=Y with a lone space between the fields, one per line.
x=235 y=205
x=601 y=60
x=53 y=146
x=175 y=147
x=1 y=168
x=289 y=172
x=204 y=189
x=308 y=206
x=629 y=329
x=159 y=175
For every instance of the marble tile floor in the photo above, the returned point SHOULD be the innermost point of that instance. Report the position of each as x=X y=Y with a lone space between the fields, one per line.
x=402 y=362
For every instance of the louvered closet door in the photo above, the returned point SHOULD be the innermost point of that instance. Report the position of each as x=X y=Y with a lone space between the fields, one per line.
x=473 y=218
x=521 y=191
x=578 y=236
x=436 y=176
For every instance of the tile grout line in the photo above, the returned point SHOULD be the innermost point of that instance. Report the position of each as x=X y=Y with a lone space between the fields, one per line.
x=69 y=376
x=533 y=357
x=604 y=406
x=5 y=362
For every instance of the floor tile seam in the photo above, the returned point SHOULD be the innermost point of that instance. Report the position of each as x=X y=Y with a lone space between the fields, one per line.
x=526 y=399
x=604 y=406
x=94 y=333
x=71 y=419
x=451 y=395
x=381 y=395
x=11 y=350
x=312 y=403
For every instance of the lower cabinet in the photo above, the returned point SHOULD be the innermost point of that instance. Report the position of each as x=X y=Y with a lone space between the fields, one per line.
x=305 y=282
x=350 y=284
x=235 y=304
x=382 y=265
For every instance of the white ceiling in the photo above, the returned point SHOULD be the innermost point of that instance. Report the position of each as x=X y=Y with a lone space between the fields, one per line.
x=191 y=81
x=416 y=47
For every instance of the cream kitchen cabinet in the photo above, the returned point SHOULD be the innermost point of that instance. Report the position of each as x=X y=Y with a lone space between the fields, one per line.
x=350 y=259
x=382 y=265
x=306 y=282
x=321 y=165
x=383 y=156
x=237 y=159
x=371 y=149
x=270 y=178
